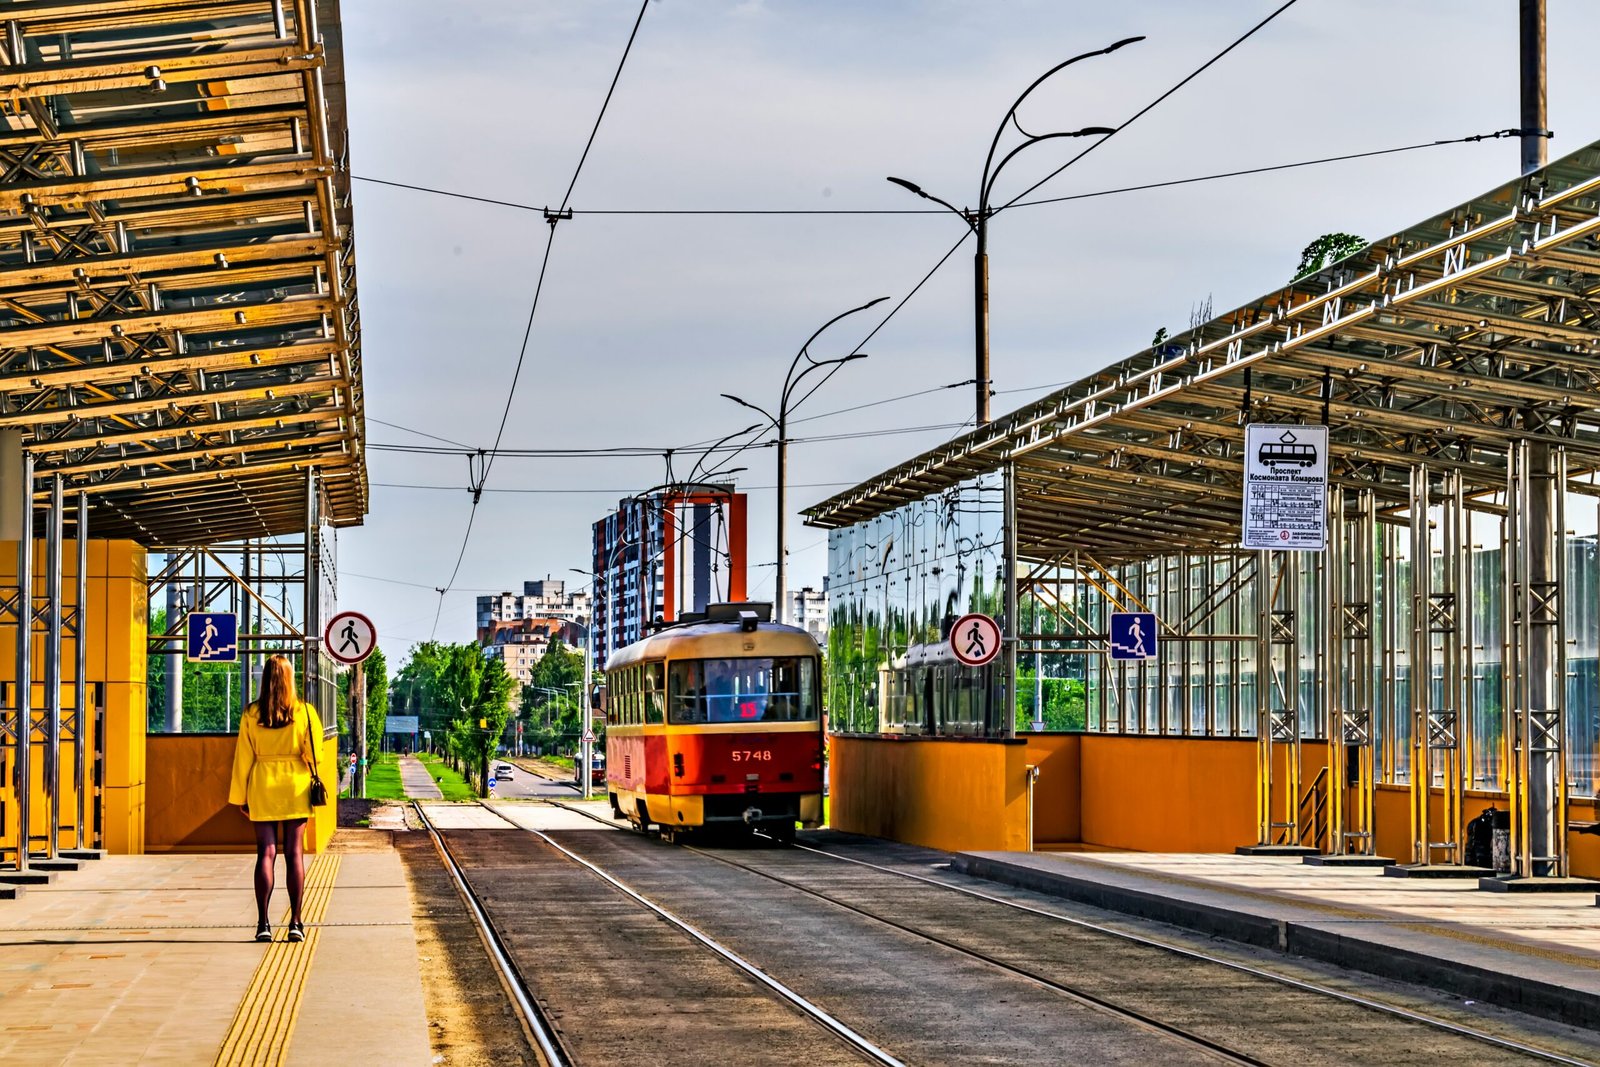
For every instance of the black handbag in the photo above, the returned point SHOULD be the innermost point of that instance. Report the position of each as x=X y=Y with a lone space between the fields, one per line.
x=319 y=792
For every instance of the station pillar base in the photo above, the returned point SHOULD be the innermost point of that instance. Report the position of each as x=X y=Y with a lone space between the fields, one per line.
x=1539 y=885
x=1289 y=851
x=82 y=853
x=1348 y=861
x=1436 y=870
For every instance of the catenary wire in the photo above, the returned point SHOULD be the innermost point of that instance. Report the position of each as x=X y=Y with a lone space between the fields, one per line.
x=522 y=353
x=1152 y=105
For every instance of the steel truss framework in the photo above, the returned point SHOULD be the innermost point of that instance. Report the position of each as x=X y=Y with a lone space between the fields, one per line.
x=1457 y=365
x=180 y=339
x=179 y=331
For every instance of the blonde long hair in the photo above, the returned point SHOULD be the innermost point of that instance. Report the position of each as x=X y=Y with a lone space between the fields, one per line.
x=277 y=703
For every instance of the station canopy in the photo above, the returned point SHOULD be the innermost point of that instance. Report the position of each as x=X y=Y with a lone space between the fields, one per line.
x=179 y=334
x=1441 y=344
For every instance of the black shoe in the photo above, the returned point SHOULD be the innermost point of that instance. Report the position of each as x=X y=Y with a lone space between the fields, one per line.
x=264 y=932
x=297 y=931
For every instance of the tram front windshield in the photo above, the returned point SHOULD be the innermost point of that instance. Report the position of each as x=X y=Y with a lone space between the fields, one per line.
x=742 y=690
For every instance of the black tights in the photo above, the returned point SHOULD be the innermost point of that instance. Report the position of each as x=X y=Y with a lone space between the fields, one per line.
x=289 y=835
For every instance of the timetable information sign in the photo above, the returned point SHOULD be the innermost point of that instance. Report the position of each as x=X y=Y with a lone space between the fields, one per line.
x=1285 y=488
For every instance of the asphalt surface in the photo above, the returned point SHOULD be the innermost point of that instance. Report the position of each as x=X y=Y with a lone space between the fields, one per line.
x=524 y=786
x=607 y=968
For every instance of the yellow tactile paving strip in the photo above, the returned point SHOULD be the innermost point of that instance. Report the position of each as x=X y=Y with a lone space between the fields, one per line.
x=264 y=1023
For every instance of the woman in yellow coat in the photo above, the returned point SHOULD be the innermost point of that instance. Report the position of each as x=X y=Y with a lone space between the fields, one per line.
x=272 y=772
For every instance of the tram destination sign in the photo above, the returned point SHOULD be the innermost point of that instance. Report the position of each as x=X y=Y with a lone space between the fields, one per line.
x=1285 y=488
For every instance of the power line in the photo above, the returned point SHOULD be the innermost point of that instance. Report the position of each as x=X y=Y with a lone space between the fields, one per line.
x=419 y=433
x=1152 y=105
x=589 y=492
x=487 y=460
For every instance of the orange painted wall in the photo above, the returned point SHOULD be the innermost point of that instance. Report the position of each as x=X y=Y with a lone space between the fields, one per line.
x=957 y=795
x=186 y=797
x=1160 y=794
x=115 y=652
x=1057 y=811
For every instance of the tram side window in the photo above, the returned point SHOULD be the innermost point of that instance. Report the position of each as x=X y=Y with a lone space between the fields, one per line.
x=684 y=681
x=653 y=709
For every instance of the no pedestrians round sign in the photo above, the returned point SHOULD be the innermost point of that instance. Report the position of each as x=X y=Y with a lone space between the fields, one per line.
x=975 y=640
x=350 y=637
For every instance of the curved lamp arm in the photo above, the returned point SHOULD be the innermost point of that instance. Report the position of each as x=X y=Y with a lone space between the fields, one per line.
x=1087 y=131
x=920 y=191
x=994 y=146
x=788 y=383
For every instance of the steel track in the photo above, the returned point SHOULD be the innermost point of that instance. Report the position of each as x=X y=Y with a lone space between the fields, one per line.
x=855 y=1041
x=552 y=1046
x=1380 y=1007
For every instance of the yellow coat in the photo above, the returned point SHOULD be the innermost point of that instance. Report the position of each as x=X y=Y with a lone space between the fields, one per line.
x=270 y=769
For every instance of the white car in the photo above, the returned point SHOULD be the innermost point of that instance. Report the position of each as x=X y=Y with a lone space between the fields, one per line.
x=503 y=772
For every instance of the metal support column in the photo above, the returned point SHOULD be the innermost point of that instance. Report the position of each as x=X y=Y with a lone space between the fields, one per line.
x=51 y=725
x=1536 y=716
x=1437 y=683
x=1011 y=575
x=80 y=683
x=1277 y=706
x=21 y=725
x=1347 y=685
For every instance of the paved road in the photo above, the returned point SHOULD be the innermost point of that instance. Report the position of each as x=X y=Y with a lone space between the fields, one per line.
x=416 y=781
x=523 y=784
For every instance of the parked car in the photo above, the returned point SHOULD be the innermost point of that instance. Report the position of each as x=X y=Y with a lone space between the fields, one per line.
x=597 y=769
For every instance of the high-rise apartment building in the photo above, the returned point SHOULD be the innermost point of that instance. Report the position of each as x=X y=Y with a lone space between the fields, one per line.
x=659 y=556
x=808 y=609
x=546 y=598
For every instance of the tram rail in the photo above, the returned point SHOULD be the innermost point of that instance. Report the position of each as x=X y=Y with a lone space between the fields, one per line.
x=541 y=1029
x=551 y=1042
x=1368 y=1003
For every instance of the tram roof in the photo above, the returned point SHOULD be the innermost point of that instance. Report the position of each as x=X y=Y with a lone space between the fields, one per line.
x=179 y=330
x=1441 y=344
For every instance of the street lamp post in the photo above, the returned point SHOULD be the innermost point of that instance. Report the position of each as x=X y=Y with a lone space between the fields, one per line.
x=978 y=218
x=781 y=424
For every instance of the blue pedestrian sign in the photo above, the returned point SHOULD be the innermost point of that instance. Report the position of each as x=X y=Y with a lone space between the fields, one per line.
x=213 y=637
x=1133 y=635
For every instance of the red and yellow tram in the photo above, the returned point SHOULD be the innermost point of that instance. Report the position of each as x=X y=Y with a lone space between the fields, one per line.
x=717 y=722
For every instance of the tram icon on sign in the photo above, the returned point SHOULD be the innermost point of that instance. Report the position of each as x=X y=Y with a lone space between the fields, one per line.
x=1286 y=451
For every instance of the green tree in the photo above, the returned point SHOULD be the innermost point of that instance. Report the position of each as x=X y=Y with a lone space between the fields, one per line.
x=477 y=691
x=1325 y=251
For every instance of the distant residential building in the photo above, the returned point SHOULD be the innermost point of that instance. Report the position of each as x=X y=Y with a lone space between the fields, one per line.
x=659 y=556
x=546 y=598
x=808 y=609
x=521 y=643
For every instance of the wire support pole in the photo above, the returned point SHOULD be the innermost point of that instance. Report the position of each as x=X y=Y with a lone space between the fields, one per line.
x=1534 y=133
x=780 y=423
x=977 y=219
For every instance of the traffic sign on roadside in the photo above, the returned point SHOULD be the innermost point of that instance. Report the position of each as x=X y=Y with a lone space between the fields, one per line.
x=588 y=738
x=975 y=639
x=350 y=637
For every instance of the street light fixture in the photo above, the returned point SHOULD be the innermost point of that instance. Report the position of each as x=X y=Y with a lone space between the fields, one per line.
x=781 y=424
x=978 y=219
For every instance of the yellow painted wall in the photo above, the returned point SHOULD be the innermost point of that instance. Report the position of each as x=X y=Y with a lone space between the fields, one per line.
x=187 y=809
x=116 y=612
x=957 y=795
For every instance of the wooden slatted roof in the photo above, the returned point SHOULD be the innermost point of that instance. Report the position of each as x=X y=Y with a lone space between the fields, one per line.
x=179 y=329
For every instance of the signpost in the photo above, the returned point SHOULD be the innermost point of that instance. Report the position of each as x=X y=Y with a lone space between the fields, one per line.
x=350 y=638
x=1285 y=488
x=975 y=640
x=1133 y=635
x=213 y=637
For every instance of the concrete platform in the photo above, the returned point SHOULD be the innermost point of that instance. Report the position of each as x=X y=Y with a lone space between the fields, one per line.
x=1538 y=953
x=147 y=959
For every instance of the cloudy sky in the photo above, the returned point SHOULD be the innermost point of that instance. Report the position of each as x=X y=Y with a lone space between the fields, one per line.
x=762 y=104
